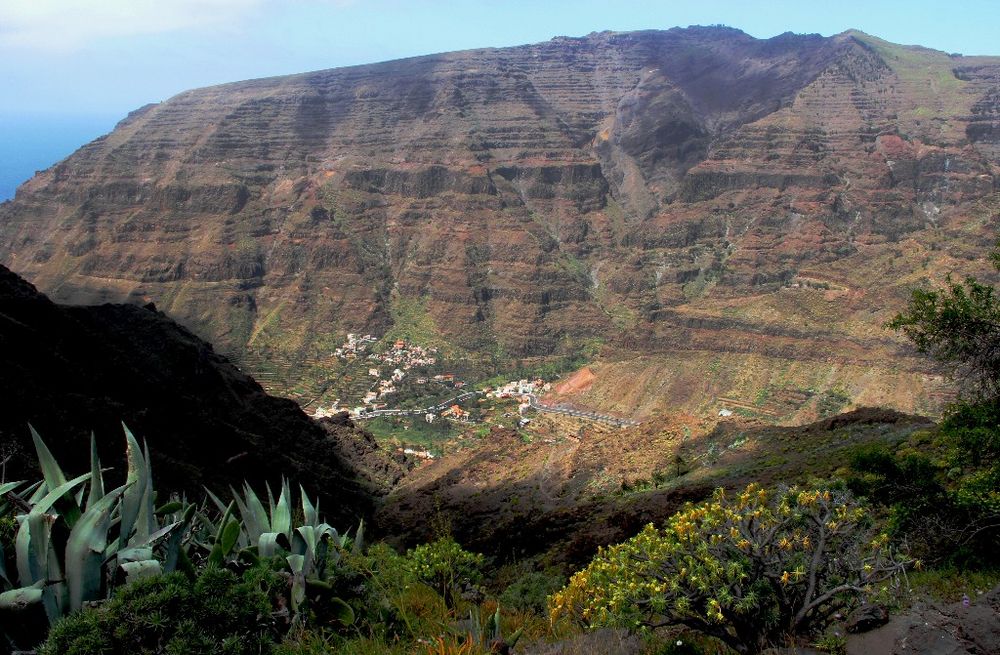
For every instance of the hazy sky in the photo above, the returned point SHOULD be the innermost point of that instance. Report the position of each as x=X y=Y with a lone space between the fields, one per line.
x=89 y=62
x=110 y=56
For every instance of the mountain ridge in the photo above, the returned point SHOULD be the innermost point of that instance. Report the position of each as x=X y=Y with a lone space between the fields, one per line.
x=536 y=199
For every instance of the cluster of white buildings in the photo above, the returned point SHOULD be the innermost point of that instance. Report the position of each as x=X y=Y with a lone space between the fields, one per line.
x=518 y=388
x=405 y=355
x=354 y=347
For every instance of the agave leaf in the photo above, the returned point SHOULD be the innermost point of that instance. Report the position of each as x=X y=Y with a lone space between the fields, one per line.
x=85 y=550
x=249 y=532
x=3 y=569
x=303 y=538
x=171 y=507
x=308 y=510
x=135 y=487
x=18 y=599
x=96 y=475
x=54 y=477
x=296 y=563
x=250 y=522
x=359 y=538
x=270 y=503
x=161 y=533
x=145 y=523
x=219 y=505
x=173 y=547
x=134 y=554
x=37 y=492
x=51 y=498
x=281 y=517
x=142 y=569
x=9 y=486
x=255 y=507
x=269 y=545
x=36 y=560
x=51 y=470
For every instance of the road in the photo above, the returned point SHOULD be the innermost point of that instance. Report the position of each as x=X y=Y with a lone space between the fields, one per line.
x=440 y=407
x=576 y=413
x=434 y=409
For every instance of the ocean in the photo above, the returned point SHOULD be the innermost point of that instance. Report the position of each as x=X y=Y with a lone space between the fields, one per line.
x=33 y=143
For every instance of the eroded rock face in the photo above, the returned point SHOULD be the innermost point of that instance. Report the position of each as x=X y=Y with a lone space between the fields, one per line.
x=70 y=371
x=623 y=186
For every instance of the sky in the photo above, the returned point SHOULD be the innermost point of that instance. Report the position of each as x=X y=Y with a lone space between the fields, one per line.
x=70 y=69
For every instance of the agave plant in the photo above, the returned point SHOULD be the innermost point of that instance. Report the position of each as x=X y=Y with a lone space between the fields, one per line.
x=75 y=539
x=311 y=551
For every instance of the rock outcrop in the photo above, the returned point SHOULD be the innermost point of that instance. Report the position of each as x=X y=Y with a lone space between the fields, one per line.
x=72 y=370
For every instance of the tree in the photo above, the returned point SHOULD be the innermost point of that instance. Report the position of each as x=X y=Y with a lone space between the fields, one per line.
x=959 y=326
x=746 y=568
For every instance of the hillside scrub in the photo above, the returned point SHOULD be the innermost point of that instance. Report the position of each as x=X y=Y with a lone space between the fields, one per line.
x=943 y=487
x=748 y=568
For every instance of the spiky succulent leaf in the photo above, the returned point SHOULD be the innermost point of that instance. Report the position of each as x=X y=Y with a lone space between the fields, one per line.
x=86 y=550
x=281 y=516
x=256 y=508
x=145 y=523
x=142 y=569
x=54 y=477
x=271 y=544
x=17 y=600
x=309 y=512
x=96 y=476
x=219 y=505
x=174 y=542
x=135 y=487
x=359 y=538
x=51 y=470
x=7 y=487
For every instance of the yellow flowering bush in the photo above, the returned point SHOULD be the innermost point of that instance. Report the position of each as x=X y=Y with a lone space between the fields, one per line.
x=745 y=567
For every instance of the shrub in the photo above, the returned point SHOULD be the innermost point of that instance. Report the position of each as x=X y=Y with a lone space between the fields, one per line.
x=746 y=569
x=217 y=612
x=530 y=591
x=446 y=567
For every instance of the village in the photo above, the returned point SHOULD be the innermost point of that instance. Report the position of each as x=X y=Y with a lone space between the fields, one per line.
x=405 y=391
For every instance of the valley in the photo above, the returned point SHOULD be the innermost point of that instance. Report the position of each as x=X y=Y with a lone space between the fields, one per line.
x=587 y=200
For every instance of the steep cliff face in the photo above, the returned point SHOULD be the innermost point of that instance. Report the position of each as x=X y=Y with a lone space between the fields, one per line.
x=691 y=190
x=70 y=371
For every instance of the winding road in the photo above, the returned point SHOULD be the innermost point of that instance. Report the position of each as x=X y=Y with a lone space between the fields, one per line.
x=576 y=413
x=550 y=409
x=440 y=407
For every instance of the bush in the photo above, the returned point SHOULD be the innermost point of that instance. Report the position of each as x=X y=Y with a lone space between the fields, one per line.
x=446 y=567
x=745 y=569
x=217 y=612
x=531 y=591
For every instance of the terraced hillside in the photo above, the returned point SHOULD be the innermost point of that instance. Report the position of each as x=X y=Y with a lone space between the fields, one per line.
x=701 y=207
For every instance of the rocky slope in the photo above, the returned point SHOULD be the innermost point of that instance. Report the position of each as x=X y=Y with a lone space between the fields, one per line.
x=72 y=370
x=587 y=485
x=690 y=195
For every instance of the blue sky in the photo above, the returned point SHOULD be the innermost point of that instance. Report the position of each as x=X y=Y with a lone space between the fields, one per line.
x=89 y=62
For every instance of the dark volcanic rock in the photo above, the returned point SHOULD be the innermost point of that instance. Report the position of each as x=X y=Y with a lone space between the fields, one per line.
x=72 y=370
x=865 y=618
x=945 y=629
